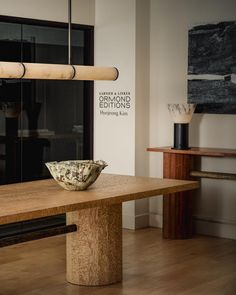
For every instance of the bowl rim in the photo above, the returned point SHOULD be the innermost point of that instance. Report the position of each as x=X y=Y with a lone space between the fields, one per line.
x=98 y=163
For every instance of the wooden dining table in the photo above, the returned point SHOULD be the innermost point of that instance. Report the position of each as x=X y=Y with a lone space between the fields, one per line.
x=94 y=251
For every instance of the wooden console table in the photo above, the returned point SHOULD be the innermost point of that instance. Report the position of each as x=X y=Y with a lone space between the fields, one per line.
x=180 y=164
x=94 y=252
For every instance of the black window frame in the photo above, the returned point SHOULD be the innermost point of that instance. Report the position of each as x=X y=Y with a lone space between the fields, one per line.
x=48 y=222
x=88 y=60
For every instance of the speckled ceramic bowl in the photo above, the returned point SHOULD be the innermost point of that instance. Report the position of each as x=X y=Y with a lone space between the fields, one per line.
x=76 y=175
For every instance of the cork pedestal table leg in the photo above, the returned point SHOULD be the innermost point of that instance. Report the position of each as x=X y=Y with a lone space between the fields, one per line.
x=94 y=252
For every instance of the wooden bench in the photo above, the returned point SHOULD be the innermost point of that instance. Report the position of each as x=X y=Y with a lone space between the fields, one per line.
x=94 y=252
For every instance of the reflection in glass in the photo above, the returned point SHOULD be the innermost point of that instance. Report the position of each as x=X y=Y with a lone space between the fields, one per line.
x=40 y=120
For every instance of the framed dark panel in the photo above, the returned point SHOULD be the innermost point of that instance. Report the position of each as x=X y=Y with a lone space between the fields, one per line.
x=212 y=68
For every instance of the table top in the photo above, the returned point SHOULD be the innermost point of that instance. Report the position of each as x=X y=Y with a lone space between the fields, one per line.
x=197 y=151
x=41 y=198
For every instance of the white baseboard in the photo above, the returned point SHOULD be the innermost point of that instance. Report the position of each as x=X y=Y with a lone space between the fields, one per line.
x=135 y=222
x=155 y=220
x=215 y=227
x=204 y=225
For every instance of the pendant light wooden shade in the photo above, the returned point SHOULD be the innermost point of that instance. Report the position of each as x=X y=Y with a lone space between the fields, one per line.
x=17 y=70
x=95 y=73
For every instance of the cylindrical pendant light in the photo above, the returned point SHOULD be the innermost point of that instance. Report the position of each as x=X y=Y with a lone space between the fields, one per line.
x=95 y=73
x=17 y=70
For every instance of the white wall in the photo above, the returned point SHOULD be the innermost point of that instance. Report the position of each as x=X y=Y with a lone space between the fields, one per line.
x=53 y=10
x=215 y=205
x=114 y=135
x=115 y=46
x=121 y=40
x=142 y=103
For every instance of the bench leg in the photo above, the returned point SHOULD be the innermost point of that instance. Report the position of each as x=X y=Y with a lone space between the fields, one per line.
x=94 y=252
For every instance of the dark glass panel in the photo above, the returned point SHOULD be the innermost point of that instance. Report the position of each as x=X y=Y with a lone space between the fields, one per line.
x=48 y=120
x=10 y=106
x=42 y=120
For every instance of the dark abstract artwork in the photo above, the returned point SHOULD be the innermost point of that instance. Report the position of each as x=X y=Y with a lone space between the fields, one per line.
x=212 y=68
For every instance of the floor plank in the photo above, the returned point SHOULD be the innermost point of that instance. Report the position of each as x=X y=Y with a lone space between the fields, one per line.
x=203 y=265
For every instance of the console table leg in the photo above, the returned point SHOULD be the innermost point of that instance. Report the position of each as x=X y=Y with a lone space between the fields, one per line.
x=177 y=208
x=94 y=252
x=177 y=216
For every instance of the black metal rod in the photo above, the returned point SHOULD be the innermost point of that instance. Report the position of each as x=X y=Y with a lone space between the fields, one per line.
x=37 y=235
x=69 y=33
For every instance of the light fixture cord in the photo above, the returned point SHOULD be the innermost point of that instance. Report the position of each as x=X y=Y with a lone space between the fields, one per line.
x=69 y=32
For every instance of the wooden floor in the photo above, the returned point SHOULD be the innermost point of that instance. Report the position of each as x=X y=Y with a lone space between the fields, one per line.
x=202 y=265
